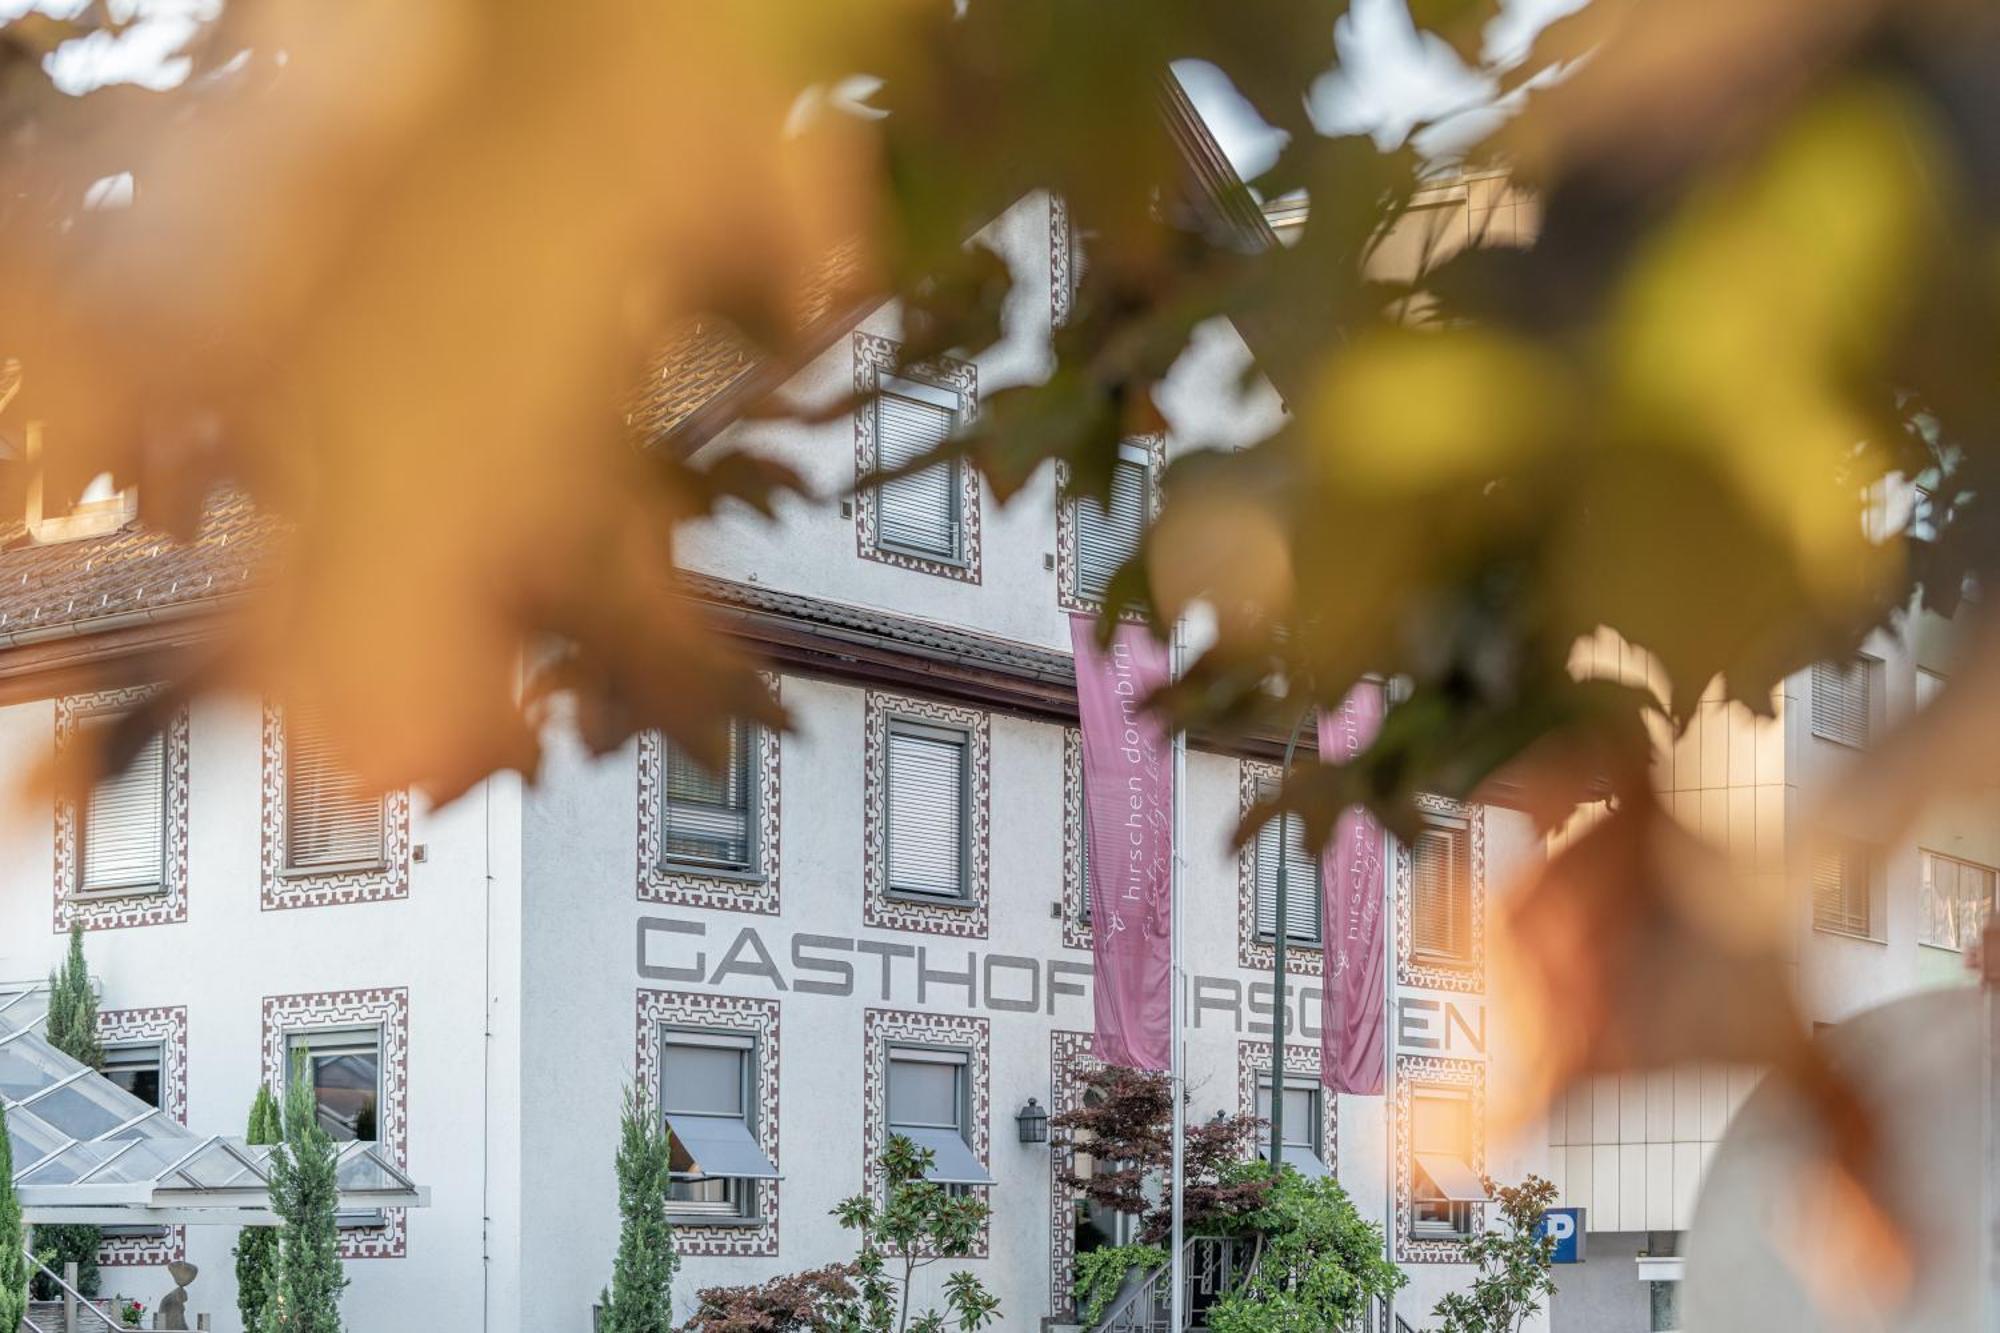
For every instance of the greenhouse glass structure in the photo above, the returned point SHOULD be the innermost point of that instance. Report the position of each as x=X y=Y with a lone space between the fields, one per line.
x=87 y=1151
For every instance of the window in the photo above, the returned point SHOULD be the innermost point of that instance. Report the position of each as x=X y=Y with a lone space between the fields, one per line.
x=1301 y=1129
x=124 y=821
x=136 y=1068
x=330 y=823
x=709 y=818
x=926 y=817
x=1302 y=886
x=930 y=1104
x=1108 y=534
x=1441 y=891
x=1842 y=701
x=1098 y=1225
x=1840 y=891
x=708 y=1098
x=1957 y=897
x=1930 y=684
x=918 y=512
x=345 y=1069
x=1443 y=1186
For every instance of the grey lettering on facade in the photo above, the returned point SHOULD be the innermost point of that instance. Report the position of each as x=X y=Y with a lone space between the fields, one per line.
x=1232 y=1005
x=805 y=962
x=1060 y=968
x=1417 y=1024
x=889 y=951
x=1010 y=962
x=732 y=962
x=1260 y=1008
x=968 y=978
x=1310 y=1002
x=670 y=926
x=1454 y=1017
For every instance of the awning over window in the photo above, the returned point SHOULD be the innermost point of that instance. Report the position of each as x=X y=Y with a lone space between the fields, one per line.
x=721 y=1147
x=87 y=1151
x=952 y=1163
x=1305 y=1161
x=1455 y=1180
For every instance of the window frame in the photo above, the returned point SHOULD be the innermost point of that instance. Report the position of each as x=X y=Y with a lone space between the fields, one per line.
x=754 y=871
x=1315 y=1141
x=290 y=869
x=1459 y=828
x=1821 y=723
x=1457 y=1226
x=1317 y=886
x=87 y=721
x=296 y=1039
x=901 y=724
x=888 y=384
x=740 y=1206
x=1134 y=453
x=1859 y=861
x=1926 y=891
x=961 y=1060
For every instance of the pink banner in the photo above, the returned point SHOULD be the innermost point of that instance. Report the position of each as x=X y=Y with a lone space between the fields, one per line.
x=1128 y=785
x=1350 y=1058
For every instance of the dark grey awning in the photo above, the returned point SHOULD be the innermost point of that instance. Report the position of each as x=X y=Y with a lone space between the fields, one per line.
x=721 y=1147
x=952 y=1163
x=1454 y=1179
x=1305 y=1161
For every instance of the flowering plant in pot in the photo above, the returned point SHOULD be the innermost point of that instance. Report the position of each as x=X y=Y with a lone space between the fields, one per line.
x=131 y=1312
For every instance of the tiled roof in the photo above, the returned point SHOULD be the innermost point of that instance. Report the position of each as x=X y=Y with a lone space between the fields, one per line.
x=133 y=569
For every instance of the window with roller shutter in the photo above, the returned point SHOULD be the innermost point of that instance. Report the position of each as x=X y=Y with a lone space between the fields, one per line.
x=1441 y=892
x=1840 y=891
x=919 y=512
x=1108 y=534
x=926 y=810
x=709 y=817
x=124 y=823
x=330 y=822
x=1302 y=886
x=1842 y=701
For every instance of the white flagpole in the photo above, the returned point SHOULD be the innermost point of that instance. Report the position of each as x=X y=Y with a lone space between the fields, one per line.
x=1178 y=1300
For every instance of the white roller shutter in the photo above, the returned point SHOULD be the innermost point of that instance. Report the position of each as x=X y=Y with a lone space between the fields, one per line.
x=926 y=813
x=1840 y=891
x=1302 y=887
x=1440 y=893
x=1841 y=702
x=1107 y=536
x=124 y=823
x=329 y=821
x=707 y=817
x=918 y=512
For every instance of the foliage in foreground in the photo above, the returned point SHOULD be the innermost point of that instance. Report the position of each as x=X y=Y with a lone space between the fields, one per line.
x=13 y=1243
x=305 y=1195
x=257 y=1247
x=641 y=1296
x=72 y=1029
x=1515 y=1265
x=1319 y=1263
x=1101 y=1272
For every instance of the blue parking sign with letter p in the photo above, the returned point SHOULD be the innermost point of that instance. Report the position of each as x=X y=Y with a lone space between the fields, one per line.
x=1564 y=1226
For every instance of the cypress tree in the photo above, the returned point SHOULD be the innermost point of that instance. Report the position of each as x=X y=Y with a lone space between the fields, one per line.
x=13 y=1244
x=640 y=1299
x=257 y=1247
x=72 y=1029
x=306 y=1195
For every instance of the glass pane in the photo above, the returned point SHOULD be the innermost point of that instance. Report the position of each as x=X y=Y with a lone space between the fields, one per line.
x=703 y=1079
x=347 y=1080
x=136 y=1070
x=923 y=1093
x=1438 y=1125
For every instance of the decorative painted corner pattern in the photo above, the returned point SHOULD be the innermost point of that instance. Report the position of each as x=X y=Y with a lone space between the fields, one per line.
x=1062 y=265
x=1432 y=974
x=1075 y=893
x=284 y=890
x=1435 y=1072
x=1070 y=1061
x=678 y=885
x=1155 y=445
x=884 y=1028
x=166 y=1025
x=388 y=1011
x=661 y=1009
x=1253 y=1061
x=1301 y=960
x=966 y=919
x=874 y=357
x=159 y=906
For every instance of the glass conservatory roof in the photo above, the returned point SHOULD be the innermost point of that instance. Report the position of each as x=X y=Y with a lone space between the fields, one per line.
x=86 y=1150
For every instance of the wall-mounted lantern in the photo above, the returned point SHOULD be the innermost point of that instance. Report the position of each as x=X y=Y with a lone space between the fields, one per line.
x=1033 y=1122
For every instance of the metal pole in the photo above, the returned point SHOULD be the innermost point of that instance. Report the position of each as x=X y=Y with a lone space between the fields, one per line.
x=1278 y=933
x=1178 y=1302
x=1989 y=959
x=1389 y=854
x=69 y=1296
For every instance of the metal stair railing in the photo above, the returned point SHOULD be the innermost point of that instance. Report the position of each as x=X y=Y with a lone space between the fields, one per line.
x=80 y=1314
x=1213 y=1266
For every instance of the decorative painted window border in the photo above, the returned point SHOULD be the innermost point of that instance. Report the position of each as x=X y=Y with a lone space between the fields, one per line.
x=1155 y=445
x=1069 y=1061
x=118 y=912
x=167 y=1025
x=1469 y=976
x=1438 y=1072
x=874 y=357
x=966 y=919
x=1062 y=262
x=883 y=1028
x=688 y=886
x=1301 y=960
x=1075 y=893
x=1253 y=1061
x=387 y=1009
x=283 y=890
x=721 y=1013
